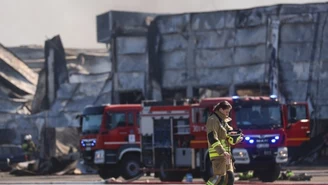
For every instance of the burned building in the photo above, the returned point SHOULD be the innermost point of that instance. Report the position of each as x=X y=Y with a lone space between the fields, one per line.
x=17 y=89
x=44 y=88
x=260 y=51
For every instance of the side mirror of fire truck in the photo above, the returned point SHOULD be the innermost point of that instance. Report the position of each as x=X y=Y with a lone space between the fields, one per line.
x=79 y=117
x=292 y=114
x=108 y=122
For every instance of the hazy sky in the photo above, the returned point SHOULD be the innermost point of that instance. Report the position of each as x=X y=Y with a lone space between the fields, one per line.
x=25 y=22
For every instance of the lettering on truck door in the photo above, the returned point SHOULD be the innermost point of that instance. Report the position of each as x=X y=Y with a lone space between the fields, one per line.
x=298 y=124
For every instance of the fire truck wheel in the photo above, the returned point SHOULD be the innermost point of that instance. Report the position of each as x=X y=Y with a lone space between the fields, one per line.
x=269 y=175
x=166 y=175
x=105 y=173
x=208 y=173
x=130 y=166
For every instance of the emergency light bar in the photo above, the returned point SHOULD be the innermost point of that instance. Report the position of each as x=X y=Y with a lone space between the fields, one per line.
x=86 y=142
x=272 y=96
x=235 y=97
x=252 y=140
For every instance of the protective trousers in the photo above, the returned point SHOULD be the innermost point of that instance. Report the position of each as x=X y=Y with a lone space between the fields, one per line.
x=222 y=173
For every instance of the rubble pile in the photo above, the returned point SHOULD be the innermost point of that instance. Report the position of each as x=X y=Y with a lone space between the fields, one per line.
x=52 y=124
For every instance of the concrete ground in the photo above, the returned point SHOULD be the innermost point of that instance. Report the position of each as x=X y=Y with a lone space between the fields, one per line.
x=320 y=176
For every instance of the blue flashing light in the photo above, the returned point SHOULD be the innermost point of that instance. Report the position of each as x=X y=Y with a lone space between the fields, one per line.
x=276 y=137
x=273 y=96
x=251 y=141
x=235 y=97
x=247 y=138
x=273 y=140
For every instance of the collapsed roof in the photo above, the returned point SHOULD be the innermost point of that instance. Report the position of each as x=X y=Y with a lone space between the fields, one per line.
x=17 y=83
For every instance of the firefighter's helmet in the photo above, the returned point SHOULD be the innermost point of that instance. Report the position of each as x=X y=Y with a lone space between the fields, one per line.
x=28 y=137
x=234 y=136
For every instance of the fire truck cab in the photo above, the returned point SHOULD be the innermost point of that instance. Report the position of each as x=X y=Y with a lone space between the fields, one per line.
x=262 y=121
x=270 y=129
x=110 y=139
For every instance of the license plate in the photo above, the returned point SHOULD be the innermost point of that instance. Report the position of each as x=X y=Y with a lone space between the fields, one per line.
x=262 y=145
x=87 y=148
x=267 y=152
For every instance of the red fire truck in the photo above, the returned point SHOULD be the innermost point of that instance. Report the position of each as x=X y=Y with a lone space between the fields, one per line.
x=110 y=139
x=174 y=142
x=110 y=133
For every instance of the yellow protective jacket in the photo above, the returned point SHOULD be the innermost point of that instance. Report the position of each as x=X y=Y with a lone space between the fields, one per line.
x=29 y=147
x=216 y=128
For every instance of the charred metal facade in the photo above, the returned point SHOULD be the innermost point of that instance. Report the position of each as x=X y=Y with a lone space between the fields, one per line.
x=275 y=50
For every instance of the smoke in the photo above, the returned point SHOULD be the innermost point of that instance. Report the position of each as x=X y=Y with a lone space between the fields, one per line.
x=32 y=22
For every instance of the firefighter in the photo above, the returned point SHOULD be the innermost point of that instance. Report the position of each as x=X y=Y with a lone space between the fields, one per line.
x=29 y=147
x=219 y=147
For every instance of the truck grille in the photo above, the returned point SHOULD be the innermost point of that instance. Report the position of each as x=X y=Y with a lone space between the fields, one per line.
x=87 y=156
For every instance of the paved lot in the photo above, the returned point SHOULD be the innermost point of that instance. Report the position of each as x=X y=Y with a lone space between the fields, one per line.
x=319 y=177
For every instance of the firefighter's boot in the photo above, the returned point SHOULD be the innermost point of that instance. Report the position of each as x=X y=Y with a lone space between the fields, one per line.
x=216 y=180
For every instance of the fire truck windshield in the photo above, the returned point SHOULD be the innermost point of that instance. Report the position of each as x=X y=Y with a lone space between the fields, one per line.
x=252 y=116
x=91 y=123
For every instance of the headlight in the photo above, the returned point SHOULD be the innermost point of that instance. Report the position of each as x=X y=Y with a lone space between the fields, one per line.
x=241 y=156
x=99 y=157
x=282 y=155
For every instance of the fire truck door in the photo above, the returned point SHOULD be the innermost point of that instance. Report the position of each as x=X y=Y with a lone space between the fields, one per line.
x=133 y=125
x=163 y=142
x=298 y=124
x=118 y=130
